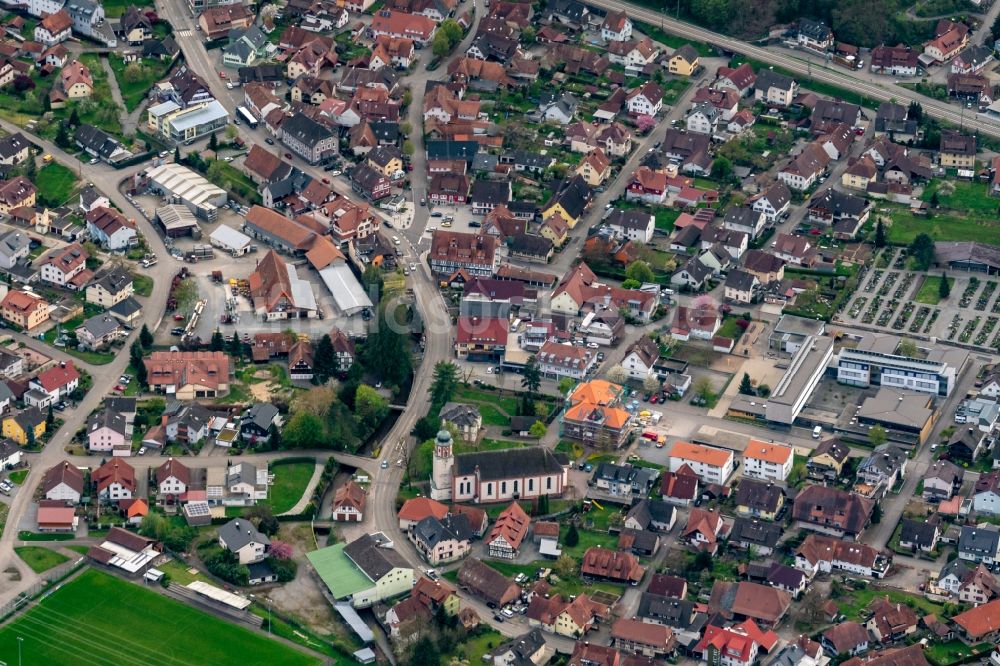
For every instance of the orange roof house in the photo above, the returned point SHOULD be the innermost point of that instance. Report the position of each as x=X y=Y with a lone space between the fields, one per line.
x=712 y=465
x=188 y=375
x=507 y=533
x=415 y=510
x=595 y=415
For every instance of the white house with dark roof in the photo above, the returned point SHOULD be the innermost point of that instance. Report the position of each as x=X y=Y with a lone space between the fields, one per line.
x=240 y=537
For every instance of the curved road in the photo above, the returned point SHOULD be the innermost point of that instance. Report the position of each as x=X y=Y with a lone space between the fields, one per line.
x=107 y=180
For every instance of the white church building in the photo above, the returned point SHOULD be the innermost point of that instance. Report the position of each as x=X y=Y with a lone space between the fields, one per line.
x=496 y=476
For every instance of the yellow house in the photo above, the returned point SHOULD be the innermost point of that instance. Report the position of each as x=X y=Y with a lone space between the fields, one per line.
x=76 y=80
x=827 y=459
x=759 y=500
x=684 y=61
x=18 y=426
x=958 y=150
x=24 y=309
x=387 y=160
x=860 y=174
x=555 y=229
x=595 y=167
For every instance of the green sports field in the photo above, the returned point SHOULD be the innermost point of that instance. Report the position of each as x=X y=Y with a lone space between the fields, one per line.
x=98 y=619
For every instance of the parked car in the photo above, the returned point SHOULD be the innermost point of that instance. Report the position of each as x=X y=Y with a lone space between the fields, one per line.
x=269 y=141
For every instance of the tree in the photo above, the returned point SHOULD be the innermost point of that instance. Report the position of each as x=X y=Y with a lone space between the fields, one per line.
x=408 y=148
x=231 y=132
x=640 y=270
x=566 y=385
x=425 y=653
x=531 y=380
x=906 y=347
x=23 y=82
x=528 y=35
x=50 y=419
x=140 y=373
x=877 y=435
x=617 y=374
x=922 y=251
x=370 y=407
x=880 y=240
x=263 y=519
x=441 y=44
x=722 y=167
x=746 y=386
x=916 y=111
x=304 y=431
x=236 y=344
x=451 y=29
x=445 y=382
x=134 y=72
x=812 y=606
x=405 y=128
x=703 y=389
x=136 y=353
x=213 y=142
x=385 y=352
x=218 y=342
x=145 y=337
x=537 y=430
x=651 y=384
x=177 y=154
x=565 y=566
x=324 y=359
x=572 y=536
x=74 y=118
x=62 y=136
x=944 y=287
x=645 y=123
x=877 y=514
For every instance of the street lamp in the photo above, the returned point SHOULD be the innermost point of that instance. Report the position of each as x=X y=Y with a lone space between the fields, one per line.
x=19 y=641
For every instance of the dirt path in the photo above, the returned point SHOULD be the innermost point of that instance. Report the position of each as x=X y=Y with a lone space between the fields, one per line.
x=116 y=95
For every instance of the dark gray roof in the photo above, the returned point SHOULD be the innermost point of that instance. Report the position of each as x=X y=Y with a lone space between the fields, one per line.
x=756 y=532
x=107 y=419
x=740 y=280
x=96 y=140
x=305 y=130
x=239 y=532
x=614 y=473
x=918 y=531
x=8 y=447
x=430 y=531
x=12 y=145
x=785 y=576
x=101 y=325
x=125 y=308
x=957 y=567
x=948 y=252
x=510 y=463
x=759 y=495
x=630 y=219
x=121 y=404
x=884 y=460
x=452 y=150
x=839 y=203
x=375 y=562
x=676 y=613
x=490 y=192
x=115 y=280
x=521 y=648
x=981 y=541
x=833 y=447
x=767 y=78
x=460 y=414
x=538 y=246
x=261 y=414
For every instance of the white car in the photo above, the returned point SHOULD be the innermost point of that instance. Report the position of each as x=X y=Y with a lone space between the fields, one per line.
x=508 y=613
x=489 y=370
x=336 y=172
x=229 y=158
x=385 y=464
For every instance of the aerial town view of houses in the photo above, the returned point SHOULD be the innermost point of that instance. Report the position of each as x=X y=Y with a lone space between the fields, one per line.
x=457 y=332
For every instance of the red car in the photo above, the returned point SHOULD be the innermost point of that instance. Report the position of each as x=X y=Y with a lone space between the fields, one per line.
x=326 y=181
x=654 y=399
x=178 y=317
x=288 y=156
x=119 y=388
x=222 y=75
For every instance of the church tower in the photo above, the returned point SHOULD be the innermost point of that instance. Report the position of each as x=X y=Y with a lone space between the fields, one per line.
x=443 y=462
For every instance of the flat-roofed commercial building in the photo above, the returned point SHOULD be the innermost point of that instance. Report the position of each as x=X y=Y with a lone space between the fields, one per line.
x=797 y=384
x=875 y=362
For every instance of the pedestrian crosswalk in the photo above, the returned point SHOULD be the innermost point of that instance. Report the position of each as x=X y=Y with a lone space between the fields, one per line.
x=185 y=32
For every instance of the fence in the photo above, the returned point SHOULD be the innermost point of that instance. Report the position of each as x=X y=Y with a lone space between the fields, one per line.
x=49 y=580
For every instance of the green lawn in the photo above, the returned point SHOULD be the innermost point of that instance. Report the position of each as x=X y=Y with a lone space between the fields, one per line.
x=486 y=444
x=178 y=572
x=853 y=603
x=665 y=218
x=143 y=285
x=135 y=85
x=55 y=183
x=115 y=8
x=99 y=619
x=290 y=482
x=566 y=586
x=40 y=559
x=965 y=212
x=471 y=650
x=24 y=535
x=18 y=476
x=953 y=652
x=730 y=328
x=929 y=291
x=588 y=539
x=78 y=549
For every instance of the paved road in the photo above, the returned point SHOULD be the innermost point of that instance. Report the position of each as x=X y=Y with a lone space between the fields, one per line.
x=878 y=88
x=105 y=179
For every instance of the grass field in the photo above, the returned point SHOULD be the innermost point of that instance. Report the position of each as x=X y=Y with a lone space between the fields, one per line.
x=99 y=619
x=143 y=285
x=40 y=559
x=55 y=183
x=24 y=535
x=965 y=212
x=929 y=291
x=134 y=91
x=290 y=482
x=853 y=603
x=18 y=476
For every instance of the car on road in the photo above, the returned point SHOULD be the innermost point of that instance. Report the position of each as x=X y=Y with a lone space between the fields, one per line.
x=395 y=240
x=413 y=267
x=119 y=388
x=473 y=224
x=229 y=158
x=60 y=406
x=223 y=75
x=142 y=450
x=336 y=172
x=326 y=181
x=288 y=156
x=588 y=468
x=385 y=464
x=229 y=85
x=600 y=356
x=269 y=141
x=177 y=331
x=498 y=617
x=446 y=224
x=432 y=574
x=47 y=158
x=489 y=370
x=94 y=161
x=388 y=224
x=437 y=213
x=507 y=613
